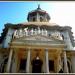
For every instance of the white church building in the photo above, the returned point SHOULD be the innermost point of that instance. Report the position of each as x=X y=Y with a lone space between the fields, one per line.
x=37 y=46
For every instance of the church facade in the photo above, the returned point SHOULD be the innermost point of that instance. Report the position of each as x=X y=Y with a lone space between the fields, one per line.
x=37 y=46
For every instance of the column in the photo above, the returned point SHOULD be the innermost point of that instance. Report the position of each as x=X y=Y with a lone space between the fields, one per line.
x=59 y=63
x=65 y=63
x=47 y=61
x=9 y=61
x=14 y=63
x=38 y=19
x=28 y=61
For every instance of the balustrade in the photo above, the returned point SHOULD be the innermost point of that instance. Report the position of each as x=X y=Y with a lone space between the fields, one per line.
x=27 y=32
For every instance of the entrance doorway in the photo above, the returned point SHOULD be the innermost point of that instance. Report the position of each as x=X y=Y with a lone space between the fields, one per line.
x=22 y=67
x=36 y=66
x=51 y=65
x=3 y=65
x=69 y=66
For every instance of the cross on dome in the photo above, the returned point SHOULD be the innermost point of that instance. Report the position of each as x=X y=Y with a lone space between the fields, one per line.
x=38 y=6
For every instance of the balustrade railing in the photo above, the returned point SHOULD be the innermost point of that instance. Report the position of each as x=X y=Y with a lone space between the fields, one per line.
x=27 y=32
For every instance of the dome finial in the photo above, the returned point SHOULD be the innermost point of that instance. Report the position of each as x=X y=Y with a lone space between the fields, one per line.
x=38 y=6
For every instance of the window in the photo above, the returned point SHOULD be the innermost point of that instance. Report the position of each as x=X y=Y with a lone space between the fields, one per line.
x=68 y=63
x=41 y=19
x=33 y=18
x=49 y=34
x=63 y=37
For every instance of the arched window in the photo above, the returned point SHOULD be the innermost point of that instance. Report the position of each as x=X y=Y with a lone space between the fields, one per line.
x=41 y=19
x=3 y=65
x=49 y=34
x=33 y=18
x=63 y=37
x=69 y=66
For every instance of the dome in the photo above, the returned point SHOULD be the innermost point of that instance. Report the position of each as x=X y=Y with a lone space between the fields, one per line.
x=38 y=15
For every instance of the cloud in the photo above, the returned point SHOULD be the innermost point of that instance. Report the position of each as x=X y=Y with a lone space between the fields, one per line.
x=63 y=13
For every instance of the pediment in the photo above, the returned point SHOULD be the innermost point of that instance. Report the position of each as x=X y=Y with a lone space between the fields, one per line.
x=37 y=38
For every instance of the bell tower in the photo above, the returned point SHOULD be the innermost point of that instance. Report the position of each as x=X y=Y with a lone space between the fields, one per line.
x=38 y=15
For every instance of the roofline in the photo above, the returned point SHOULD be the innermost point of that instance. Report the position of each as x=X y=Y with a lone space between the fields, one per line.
x=53 y=27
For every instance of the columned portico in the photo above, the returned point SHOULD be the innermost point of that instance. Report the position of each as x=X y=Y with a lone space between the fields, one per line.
x=65 y=62
x=9 y=61
x=37 y=46
x=46 y=53
x=47 y=61
x=28 y=61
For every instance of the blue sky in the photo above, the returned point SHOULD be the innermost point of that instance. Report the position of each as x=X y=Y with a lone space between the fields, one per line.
x=62 y=13
x=16 y=12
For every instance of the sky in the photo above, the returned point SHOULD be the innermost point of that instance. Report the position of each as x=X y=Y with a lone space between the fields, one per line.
x=61 y=12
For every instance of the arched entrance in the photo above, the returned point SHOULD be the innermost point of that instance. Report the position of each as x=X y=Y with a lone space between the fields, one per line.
x=22 y=67
x=3 y=65
x=69 y=66
x=36 y=65
x=51 y=65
